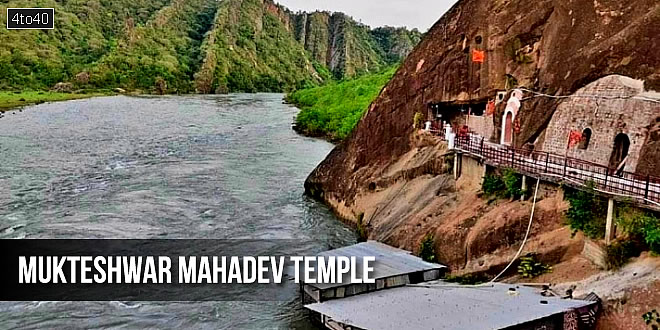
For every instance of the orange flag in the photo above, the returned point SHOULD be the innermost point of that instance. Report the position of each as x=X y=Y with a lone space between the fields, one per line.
x=478 y=56
x=490 y=108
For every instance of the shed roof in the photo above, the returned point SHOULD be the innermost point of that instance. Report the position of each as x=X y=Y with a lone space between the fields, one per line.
x=445 y=306
x=390 y=261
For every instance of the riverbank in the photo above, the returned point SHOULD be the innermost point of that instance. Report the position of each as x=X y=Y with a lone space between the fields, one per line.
x=332 y=111
x=10 y=100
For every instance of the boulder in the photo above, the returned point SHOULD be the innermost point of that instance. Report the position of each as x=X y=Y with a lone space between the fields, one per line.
x=63 y=87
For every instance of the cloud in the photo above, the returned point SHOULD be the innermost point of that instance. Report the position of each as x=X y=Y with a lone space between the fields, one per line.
x=421 y=14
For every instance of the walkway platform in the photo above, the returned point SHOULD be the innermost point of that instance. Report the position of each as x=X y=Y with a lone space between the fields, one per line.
x=644 y=190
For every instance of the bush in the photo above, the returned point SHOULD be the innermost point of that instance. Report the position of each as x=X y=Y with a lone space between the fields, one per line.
x=418 y=120
x=639 y=225
x=586 y=212
x=504 y=186
x=361 y=229
x=493 y=185
x=618 y=253
x=512 y=182
x=529 y=267
x=427 y=248
x=449 y=163
x=652 y=319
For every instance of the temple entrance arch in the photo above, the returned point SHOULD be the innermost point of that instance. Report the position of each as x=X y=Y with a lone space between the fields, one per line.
x=620 y=151
x=507 y=128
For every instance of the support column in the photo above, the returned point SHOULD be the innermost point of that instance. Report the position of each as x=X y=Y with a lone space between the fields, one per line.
x=523 y=188
x=456 y=155
x=609 y=227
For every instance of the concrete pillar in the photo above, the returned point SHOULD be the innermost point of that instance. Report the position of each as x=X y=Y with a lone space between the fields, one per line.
x=483 y=173
x=456 y=155
x=523 y=187
x=609 y=226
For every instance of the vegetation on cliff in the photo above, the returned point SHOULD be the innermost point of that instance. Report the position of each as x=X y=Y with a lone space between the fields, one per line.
x=333 y=110
x=503 y=185
x=250 y=49
x=587 y=212
x=642 y=226
x=163 y=54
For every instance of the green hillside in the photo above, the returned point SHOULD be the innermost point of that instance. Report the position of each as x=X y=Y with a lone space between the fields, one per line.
x=85 y=31
x=250 y=49
x=333 y=110
x=163 y=54
x=181 y=46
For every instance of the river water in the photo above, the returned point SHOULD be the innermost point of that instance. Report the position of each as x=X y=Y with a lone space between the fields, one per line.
x=203 y=167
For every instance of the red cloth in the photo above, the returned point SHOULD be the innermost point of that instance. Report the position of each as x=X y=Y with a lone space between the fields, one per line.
x=478 y=56
x=463 y=131
x=490 y=108
x=574 y=138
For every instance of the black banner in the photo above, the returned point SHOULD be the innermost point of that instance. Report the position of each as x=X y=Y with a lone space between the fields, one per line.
x=91 y=269
x=30 y=18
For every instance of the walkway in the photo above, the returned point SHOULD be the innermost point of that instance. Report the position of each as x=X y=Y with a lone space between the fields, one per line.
x=561 y=169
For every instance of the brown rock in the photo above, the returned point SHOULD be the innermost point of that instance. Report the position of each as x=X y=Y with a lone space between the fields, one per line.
x=82 y=77
x=553 y=46
x=63 y=87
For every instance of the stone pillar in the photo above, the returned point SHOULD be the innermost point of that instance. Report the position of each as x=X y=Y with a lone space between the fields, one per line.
x=609 y=226
x=456 y=155
x=523 y=187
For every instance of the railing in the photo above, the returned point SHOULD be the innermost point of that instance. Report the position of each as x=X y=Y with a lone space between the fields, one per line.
x=559 y=168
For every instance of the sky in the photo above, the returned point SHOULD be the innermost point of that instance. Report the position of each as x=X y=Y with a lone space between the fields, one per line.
x=420 y=14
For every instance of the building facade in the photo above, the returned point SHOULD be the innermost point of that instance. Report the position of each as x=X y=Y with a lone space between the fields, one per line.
x=613 y=116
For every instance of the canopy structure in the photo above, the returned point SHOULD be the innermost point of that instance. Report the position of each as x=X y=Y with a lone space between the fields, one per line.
x=393 y=267
x=441 y=305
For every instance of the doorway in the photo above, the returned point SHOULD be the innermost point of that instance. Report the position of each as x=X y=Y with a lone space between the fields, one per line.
x=620 y=151
x=507 y=128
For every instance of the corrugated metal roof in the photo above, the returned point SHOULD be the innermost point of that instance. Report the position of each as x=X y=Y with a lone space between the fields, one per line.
x=390 y=261
x=445 y=306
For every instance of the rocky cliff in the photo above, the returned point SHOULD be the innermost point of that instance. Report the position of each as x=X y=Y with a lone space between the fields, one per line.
x=394 y=182
x=551 y=46
x=349 y=48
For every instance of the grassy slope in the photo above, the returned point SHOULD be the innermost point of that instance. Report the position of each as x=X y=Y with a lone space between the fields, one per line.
x=166 y=48
x=10 y=100
x=334 y=110
x=84 y=32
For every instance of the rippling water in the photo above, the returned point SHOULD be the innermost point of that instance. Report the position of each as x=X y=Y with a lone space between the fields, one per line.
x=161 y=167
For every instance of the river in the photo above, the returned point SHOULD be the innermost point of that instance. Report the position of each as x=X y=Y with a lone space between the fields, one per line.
x=202 y=167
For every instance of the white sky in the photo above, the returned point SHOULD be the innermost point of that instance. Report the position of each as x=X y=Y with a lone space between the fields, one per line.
x=421 y=14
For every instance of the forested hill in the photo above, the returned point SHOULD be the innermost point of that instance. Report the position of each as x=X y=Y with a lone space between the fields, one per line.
x=181 y=46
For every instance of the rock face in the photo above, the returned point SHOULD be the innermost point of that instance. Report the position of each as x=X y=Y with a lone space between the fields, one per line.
x=550 y=46
x=349 y=48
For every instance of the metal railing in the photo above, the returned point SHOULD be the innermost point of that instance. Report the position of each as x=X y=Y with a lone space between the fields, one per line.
x=557 y=168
